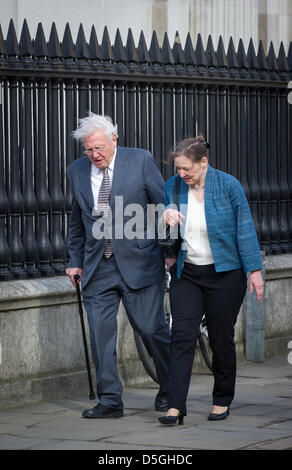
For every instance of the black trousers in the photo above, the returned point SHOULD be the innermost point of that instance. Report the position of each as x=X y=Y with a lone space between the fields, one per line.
x=201 y=290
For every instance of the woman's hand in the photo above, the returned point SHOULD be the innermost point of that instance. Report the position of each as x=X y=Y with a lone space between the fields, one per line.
x=71 y=272
x=172 y=217
x=169 y=262
x=256 y=282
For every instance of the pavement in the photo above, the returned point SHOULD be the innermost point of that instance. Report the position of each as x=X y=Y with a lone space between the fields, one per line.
x=260 y=419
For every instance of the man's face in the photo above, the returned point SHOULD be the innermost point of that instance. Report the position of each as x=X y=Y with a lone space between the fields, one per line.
x=100 y=148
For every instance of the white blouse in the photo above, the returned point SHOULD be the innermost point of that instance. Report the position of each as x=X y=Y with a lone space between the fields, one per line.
x=196 y=235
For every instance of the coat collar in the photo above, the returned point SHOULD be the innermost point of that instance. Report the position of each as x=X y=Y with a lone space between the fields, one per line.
x=120 y=172
x=85 y=182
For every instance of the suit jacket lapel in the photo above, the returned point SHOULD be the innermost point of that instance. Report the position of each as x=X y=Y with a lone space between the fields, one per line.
x=120 y=172
x=85 y=183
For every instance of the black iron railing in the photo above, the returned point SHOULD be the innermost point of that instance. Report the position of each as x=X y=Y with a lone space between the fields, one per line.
x=157 y=96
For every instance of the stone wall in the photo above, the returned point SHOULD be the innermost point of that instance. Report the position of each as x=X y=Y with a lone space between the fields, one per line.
x=42 y=354
x=278 y=305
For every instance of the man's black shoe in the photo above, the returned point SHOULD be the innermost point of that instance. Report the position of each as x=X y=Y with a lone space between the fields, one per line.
x=102 y=411
x=161 y=401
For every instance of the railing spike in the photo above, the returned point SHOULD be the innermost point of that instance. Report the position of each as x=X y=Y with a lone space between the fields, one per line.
x=143 y=53
x=222 y=58
x=231 y=55
x=94 y=47
x=155 y=51
x=262 y=61
x=201 y=59
x=282 y=59
x=242 y=60
x=178 y=53
x=67 y=44
x=25 y=43
x=189 y=52
x=40 y=43
x=167 y=55
x=12 y=48
x=2 y=44
x=118 y=48
x=54 y=46
x=273 y=66
x=253 y=64
x=177 y=38
x=210 y=53
x=132 y=54
x=271 y=57
x=221 y=55
x=283 y=63
x=81 y=45
x=107 y=52
x=289 y=58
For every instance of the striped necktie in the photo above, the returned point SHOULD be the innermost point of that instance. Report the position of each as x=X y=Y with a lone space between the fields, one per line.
x=103 y=205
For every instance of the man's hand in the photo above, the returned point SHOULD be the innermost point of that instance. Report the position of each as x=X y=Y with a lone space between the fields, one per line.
x=256 y=282
x=71 y=273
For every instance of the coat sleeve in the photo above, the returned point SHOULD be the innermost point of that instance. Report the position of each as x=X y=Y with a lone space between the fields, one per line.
x=76 y=234
x=247 y=242
x=154 y=182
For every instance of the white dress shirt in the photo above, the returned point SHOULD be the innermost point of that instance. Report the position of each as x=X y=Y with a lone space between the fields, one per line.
x=96 y=179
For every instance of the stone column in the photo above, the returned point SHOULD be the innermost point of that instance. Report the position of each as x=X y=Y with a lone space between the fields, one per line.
x=236 y=18
x=275 y=23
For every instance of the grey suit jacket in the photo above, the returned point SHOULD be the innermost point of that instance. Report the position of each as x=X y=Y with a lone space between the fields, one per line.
x=137 y=179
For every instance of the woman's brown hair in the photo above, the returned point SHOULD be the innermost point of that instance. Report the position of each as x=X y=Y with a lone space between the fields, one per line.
x=194 y=148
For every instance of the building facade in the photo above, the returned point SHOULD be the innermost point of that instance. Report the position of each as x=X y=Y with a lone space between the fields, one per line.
x=268 y=20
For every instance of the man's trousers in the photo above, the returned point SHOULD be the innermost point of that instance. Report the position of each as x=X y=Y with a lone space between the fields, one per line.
x=144 y=308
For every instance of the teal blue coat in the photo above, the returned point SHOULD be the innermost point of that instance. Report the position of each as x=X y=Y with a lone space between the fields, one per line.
x=230 y=227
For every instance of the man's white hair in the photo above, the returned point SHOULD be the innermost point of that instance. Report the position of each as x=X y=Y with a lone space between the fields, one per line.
x=93 y=123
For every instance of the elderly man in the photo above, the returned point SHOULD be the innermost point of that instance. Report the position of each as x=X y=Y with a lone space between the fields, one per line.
x=113 y=265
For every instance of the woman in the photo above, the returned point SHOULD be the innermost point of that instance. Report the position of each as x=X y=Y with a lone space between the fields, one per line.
x=219 y=246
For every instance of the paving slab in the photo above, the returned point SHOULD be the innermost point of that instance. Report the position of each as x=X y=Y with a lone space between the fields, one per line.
x=278 y=444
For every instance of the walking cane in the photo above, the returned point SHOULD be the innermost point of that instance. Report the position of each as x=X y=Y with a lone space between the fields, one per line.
x=91 y=393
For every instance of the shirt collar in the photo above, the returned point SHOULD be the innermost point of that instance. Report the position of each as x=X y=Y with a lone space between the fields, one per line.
x=97 y=171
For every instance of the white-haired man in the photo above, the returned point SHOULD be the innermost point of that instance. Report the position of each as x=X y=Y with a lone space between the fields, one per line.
x=111 y=266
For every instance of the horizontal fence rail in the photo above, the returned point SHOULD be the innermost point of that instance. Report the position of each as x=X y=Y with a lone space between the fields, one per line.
x=157 y=96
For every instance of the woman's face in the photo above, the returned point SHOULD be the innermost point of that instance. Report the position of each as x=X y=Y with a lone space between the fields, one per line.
x=191 y=172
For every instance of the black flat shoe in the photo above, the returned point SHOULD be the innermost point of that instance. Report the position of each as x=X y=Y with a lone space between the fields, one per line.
x=171 y=420
x=102 y=412
x=218 y=416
